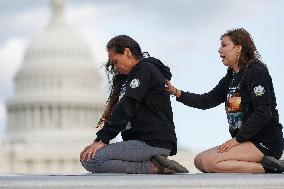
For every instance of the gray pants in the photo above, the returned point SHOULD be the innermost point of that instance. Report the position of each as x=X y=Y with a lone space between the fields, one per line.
x=124 y=157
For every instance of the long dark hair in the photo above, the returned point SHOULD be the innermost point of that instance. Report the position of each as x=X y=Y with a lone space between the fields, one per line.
x=240 y=36
x=116 y=80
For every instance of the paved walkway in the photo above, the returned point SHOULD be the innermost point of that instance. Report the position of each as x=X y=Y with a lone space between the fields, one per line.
x=125 y=181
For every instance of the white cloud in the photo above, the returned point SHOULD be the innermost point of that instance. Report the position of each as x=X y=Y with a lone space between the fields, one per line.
x=24 y=23
x=11 y=54
x=84 y=19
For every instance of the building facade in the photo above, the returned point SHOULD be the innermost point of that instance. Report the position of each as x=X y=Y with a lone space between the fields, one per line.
x=57 y=101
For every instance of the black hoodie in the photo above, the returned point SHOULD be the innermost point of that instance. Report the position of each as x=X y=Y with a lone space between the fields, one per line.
x=145 y=104
x=260 y=121
x=162 y=67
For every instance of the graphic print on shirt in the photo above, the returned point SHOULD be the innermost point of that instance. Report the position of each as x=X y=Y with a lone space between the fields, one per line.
x=233 y=108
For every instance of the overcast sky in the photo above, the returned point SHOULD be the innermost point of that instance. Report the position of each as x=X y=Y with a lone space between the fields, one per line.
x=184 y=34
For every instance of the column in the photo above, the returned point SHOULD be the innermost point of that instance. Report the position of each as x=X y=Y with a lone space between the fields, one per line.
x=45 y=117
x=17 y=120
x=36 y=117
x=24 y=118
x=55 y=116
x=81 y=117
x=10 y=120
x=28 y=124
x=20 y=116
x=64 y=116
x=75 y=116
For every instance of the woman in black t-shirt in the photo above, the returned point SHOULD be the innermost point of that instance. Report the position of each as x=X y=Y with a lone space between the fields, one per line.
x=250 y=103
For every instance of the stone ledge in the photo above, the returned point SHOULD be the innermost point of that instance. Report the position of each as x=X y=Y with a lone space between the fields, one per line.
x=127 y=181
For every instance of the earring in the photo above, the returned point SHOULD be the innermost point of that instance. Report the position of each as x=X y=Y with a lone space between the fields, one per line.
x=237 y=58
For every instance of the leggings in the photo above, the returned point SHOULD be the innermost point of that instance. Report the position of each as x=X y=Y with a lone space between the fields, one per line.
x=131 y=156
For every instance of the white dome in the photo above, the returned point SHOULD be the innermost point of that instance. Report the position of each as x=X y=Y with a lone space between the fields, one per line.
x=57 y=63
x=57 y=42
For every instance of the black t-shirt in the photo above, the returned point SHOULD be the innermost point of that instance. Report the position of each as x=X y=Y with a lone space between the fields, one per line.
x=233 y=104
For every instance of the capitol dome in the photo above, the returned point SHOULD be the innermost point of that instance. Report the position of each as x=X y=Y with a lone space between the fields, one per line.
x=57 y=41
x=57 y=101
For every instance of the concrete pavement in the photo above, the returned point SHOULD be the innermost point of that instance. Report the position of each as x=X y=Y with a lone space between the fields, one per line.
x=127 y=181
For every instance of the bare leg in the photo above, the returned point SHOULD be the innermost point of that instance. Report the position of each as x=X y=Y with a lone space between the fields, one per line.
x=243 y=158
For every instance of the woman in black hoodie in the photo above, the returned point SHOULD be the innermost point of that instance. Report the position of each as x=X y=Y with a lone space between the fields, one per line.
x=250 y=103
x=139 y=107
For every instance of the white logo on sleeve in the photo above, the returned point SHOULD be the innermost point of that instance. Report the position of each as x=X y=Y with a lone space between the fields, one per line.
x=263 y=146
x=259 y=90
x=122 y=93
x=134 y=83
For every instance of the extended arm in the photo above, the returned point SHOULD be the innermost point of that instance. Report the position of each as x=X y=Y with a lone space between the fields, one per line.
x=202 y=101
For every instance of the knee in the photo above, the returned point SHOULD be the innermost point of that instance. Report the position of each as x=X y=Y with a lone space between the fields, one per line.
x=92 y=165
x=199 y=163
x=205 y=163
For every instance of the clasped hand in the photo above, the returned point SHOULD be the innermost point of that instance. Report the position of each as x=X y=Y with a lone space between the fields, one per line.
x=91 y=150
